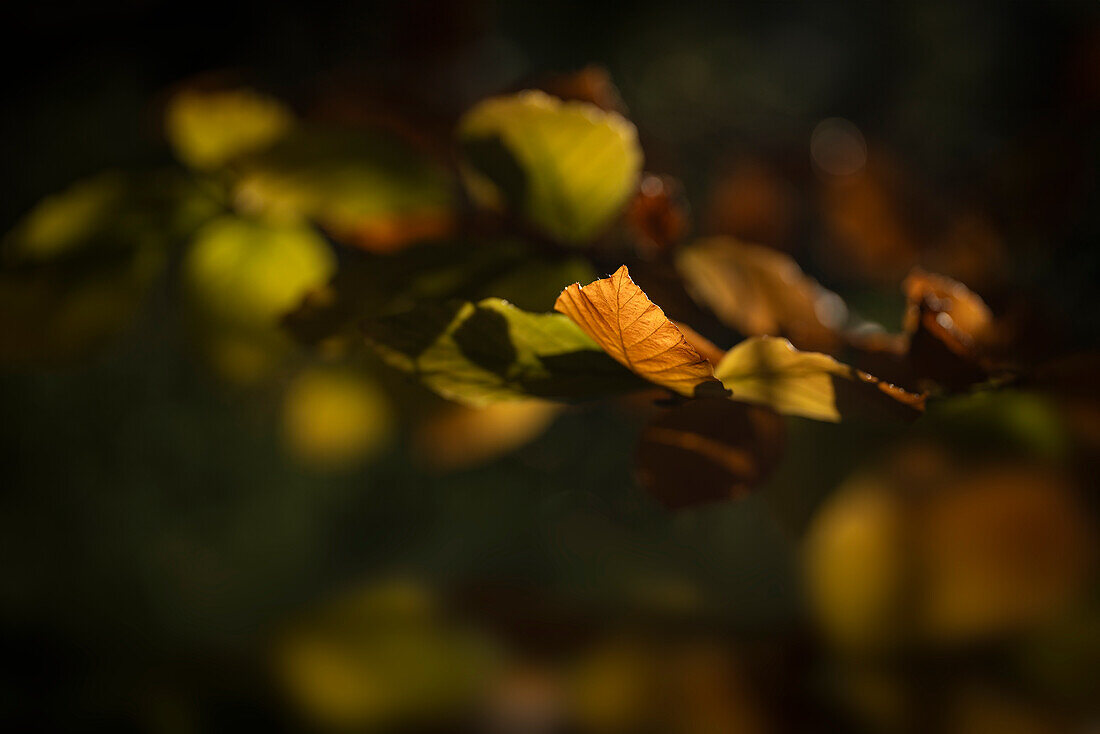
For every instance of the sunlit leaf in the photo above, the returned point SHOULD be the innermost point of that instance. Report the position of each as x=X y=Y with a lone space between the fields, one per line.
x=369 y=189
x=480 y=353
x=707 y=349
x=709 y=450
x=762 y=292
x=368 y=286
x=208 y=129
x=635 y=331
x=770 y=371
x=567 y=167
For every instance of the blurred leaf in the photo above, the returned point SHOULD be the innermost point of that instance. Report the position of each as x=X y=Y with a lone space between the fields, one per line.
x=567 y=167
x=64 y=223
x=383 y=657
x=460 y=437
x=76 y=268
x=658 y=216
x=632 y=329
x=369 y=189
x=591 y=84
x=248 y=273
x=866 y=215
x=708 y=450
x=1000 y=548
x=923 y=550
x=855 y=565
x=241 y=276
x=490 y=351
x=335 y=418
x=762 y=292
x=948 y=327
x=209 y=129
x=771 y=372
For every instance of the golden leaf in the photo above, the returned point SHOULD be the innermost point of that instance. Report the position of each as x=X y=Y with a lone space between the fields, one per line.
x=619 y=316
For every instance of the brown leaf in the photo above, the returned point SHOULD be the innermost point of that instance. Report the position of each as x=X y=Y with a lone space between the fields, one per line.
x=949 y=327
x=709 y=450
x=762 y=292
x=619 y=316
x=658 y=218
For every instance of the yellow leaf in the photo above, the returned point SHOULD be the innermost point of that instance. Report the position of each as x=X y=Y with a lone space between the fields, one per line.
x=619 y=316
x=771 y=372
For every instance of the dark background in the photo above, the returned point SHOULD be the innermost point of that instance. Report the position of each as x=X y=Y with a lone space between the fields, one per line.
x=150 y=521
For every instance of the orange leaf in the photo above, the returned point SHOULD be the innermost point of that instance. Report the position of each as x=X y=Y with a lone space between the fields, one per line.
x=619 y=316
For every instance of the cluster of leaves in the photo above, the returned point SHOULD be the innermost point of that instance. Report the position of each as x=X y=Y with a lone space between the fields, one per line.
x=461 y=263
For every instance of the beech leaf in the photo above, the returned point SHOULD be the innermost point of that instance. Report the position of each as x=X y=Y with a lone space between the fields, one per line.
x=485 y=352
x=567 y=167
x=770 y=371
x=619 y=316
x=949 y=327
x=762 y=292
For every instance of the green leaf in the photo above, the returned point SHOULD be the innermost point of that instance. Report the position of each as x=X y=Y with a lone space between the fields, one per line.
x=209 y=129
x=481 y=353
x=368 y=286
x=769 y=371
x=365 y=188
x=567 y=167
